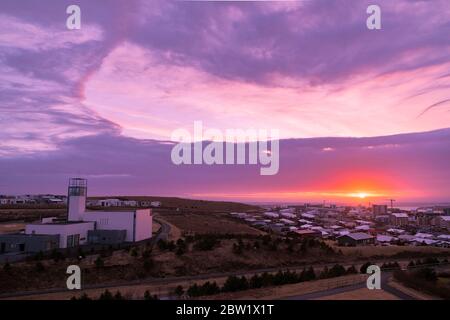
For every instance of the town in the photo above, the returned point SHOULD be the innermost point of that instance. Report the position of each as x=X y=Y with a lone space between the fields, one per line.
x=352 y=226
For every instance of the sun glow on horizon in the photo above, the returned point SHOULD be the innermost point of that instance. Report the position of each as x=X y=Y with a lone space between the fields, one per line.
x=361 y=195
x=313 y=195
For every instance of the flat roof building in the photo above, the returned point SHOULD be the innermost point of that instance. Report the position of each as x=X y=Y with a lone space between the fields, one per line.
x=355 y=239
x=82 y=226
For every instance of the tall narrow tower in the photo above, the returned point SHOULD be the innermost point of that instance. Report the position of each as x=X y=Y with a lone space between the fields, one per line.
x=77 y=198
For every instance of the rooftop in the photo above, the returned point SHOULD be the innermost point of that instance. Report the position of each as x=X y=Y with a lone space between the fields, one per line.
x=358 y=236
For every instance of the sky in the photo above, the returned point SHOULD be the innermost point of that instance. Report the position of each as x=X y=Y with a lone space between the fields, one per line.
x=362 y=114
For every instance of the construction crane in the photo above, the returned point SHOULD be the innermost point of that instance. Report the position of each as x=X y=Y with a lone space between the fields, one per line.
x=392 y=202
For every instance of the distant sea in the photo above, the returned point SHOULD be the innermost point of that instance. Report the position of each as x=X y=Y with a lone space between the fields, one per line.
x=399 y=205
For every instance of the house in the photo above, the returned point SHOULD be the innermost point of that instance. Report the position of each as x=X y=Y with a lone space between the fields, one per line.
x=385 y=238
x=363 y=227
x=443 y=222
x=271 y=214
x=287 y=221
x=355 y=239
x=288 y=215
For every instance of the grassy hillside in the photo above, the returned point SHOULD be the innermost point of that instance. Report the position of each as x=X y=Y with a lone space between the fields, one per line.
x=191 y=204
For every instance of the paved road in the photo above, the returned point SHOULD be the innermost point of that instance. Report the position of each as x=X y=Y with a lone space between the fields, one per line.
x=163 y=232
x=172 y=280
x=325 y=293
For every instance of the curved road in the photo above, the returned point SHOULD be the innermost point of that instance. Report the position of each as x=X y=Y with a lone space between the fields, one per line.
x=163 y=232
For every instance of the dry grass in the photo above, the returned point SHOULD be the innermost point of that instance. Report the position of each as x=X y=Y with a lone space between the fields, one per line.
x=11 y=227
x=209 y=223
x=409 y=291
x=370 y=251
x=289 y=290
x=361 y=294
x=31 y=213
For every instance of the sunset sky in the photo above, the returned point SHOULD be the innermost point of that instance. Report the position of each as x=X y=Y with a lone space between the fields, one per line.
x=364 y=115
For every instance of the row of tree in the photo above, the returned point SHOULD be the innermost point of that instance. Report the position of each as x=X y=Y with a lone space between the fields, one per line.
x=235 y=283
x=107 y=295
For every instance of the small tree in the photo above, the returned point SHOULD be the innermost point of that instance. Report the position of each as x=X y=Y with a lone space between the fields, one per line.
x=148 y=264
x=147 y=295
x=134 y=252
x=118 y=296
x=179 y=291
x=310 y=274
x=83 y=297
x=364 y=267
x=106 y=295
x=39 y=267
x=99 y=262
x=351 y=270
x=7 y=267
x=146 y=253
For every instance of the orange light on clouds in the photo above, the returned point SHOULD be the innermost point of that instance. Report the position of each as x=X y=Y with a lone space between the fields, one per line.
x=350 y=188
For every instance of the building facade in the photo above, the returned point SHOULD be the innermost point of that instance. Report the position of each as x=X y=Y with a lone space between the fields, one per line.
x=81 y=227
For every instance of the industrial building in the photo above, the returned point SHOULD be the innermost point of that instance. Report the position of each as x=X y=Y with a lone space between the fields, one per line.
x=81 y=227
x=354 y=239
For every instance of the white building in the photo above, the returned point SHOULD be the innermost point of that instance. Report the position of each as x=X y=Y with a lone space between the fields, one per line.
x=110 y=203
x=287 y=221
x=288 y=215
x=155 y=204
x=271 y=214
x=129 y=226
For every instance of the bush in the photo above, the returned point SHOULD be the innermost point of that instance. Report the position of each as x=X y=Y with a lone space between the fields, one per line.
x=237 y=249
x=390 y=266
x=336 y=271
x=134 y=252
x=118 y=296
x=179 y=291
x=39 y=267
x=411 y=280
x=146 y=254
x=83 y=297
x=148 y=264
x=7 y=267
x=149 y=296
x=234 y=283
x=57 y=256
x=351 y=270
x=99 y=262
x=427 y=274
x=364 y=267
x=106 y=295
x=39 y=256
x=206 y=244
x=310 y=274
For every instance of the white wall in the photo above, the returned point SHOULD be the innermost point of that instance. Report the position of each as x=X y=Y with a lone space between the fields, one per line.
x=115 y=220
x=63 y=230
x=144 y=221
x=77 y=207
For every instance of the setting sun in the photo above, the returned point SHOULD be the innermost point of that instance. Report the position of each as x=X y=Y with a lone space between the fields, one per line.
x=362 y=195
